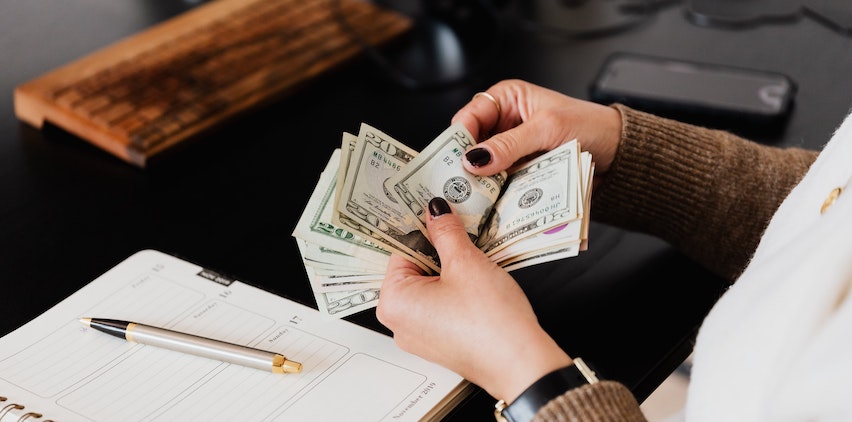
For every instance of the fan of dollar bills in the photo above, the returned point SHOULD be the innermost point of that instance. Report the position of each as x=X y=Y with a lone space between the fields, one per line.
x=371 y=201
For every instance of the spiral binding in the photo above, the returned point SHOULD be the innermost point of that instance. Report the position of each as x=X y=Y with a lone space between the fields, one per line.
x=11 y=409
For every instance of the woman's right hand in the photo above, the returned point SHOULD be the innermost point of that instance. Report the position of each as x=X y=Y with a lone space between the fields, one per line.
x=472 y=318
x=531 y=120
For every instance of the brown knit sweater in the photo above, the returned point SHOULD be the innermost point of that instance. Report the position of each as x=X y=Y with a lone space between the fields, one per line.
x=707 y=192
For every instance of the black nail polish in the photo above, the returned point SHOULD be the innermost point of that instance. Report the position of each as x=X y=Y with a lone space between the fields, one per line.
x=438 y=206
x=478 y=157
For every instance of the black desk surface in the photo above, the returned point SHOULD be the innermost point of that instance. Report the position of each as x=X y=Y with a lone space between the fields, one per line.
x=69 y=212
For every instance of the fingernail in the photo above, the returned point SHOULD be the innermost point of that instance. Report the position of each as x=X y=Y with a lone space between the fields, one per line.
x=438 y=206
x=478 y=157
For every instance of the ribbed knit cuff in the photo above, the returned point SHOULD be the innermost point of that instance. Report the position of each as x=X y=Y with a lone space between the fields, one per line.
x=604 y=401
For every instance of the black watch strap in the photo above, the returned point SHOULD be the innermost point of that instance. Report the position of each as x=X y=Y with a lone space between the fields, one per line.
x=545 y=389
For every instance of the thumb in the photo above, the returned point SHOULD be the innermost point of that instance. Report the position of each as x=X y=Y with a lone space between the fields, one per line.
x=447 y=233
x=505 y=149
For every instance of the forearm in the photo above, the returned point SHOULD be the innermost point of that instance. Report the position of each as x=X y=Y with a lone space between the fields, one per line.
x=707 y=192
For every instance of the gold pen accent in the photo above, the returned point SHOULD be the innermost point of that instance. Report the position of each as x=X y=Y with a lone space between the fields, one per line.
x=195 y=345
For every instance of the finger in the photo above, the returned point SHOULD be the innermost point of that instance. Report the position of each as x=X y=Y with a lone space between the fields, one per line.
x=505 y=149
x=393 y=299
x=447 y=233
x=524 y=111
x=479 y=116
x=399 y=268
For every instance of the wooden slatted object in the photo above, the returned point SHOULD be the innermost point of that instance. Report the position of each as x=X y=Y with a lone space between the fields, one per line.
x=166 y=84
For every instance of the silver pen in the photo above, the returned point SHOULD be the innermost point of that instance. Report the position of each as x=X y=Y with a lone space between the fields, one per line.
x=195 y=345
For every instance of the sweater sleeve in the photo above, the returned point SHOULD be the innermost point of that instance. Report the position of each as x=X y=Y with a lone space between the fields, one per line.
x=707 y=192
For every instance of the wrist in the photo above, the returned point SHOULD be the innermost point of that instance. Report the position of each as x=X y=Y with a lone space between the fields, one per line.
x=541 y=356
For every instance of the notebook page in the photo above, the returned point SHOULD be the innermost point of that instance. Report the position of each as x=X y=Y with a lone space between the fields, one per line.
x=56 y=366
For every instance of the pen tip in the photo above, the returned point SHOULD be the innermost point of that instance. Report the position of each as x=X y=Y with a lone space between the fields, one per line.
x=86 y=321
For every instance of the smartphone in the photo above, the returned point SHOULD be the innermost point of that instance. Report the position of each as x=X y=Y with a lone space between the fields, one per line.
x=722 y=96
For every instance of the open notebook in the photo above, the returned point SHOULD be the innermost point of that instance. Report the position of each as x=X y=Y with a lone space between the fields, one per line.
x=58 y=369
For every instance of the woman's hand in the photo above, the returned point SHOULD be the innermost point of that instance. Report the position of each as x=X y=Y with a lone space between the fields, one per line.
x=473 y=318
x=528 y=120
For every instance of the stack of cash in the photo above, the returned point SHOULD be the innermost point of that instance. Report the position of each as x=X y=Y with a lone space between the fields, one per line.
x=372 y=197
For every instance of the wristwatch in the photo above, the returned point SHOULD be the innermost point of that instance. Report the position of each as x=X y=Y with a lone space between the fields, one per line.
x=545 y=389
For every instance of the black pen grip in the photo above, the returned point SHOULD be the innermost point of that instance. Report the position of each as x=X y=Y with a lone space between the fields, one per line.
x=112 y=327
